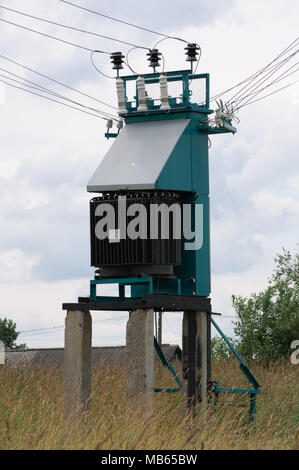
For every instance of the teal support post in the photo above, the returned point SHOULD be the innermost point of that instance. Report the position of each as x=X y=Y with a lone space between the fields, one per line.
x=244 y=368
x=171 y=369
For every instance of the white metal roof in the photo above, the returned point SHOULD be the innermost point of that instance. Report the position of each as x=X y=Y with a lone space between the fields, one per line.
x=137 y=156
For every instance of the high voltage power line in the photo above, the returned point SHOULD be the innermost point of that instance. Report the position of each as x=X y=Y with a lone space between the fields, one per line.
x=52 y=99
x=43 y=89
x=252 y=86
x=63 y=326
x=263 y=80
x=73 y=28
x=269 y=94
x=56 y=81
x=37 y=330
x=52 y=37
x=122 y=21
x=253 y=76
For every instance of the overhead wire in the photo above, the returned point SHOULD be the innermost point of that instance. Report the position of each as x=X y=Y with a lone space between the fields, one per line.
x=255 y=91
x=183 y=40
x=69 y=27
x=165 y=36
x=121 y=21
x=52 y=99
x=56 y=81
x=253 y=76
x=40 y=88
x=51 y=37
x=127 y=60
x=255 y=84
x=63 y=326
x=267 y=70
x=95 y=67
x=269 y=94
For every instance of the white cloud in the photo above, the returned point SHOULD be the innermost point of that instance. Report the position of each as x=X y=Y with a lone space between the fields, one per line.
x=16 y=266
x=275 y=206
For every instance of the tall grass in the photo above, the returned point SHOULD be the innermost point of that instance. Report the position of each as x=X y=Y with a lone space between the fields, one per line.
x=32 y=413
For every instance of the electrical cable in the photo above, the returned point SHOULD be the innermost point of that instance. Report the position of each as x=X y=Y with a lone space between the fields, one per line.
x=55 y=101
x=127 y=60
x=269 y=94
x=96 y=68
x=63 y=326
x=253 y=76
x=165 y=36
x=70 y=27
x=268 y=70
x=51 y=37
x=58 y=95
x=271 y=71
x=121 y=21
x=253 y=93
x=183 y=40
x=38 y=87
x=256 y=74
x=56 y=81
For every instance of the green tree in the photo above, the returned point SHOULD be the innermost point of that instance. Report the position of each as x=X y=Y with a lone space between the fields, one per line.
x=9 y=334
x=268 y=321
x=219 y=348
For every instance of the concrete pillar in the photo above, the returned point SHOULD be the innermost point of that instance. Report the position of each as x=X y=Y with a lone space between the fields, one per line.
x=77 y=359
x=194 y=360
x=140 y=356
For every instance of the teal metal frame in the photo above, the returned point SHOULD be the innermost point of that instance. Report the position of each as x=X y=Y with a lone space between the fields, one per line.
x=170 y=368
x=252 y=392
x=184 y=76
x=149 y=286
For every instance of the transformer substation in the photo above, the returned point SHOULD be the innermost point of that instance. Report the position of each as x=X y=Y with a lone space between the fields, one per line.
x=150 y=234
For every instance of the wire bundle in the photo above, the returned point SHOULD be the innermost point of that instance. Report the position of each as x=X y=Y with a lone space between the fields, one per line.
x=242 y=94
x=250 y=89
x=21 y=83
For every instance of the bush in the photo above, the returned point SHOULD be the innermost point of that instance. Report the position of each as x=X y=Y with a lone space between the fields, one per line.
x=268 y=322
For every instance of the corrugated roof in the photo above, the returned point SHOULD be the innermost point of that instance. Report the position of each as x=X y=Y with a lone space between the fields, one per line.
x=55 y=356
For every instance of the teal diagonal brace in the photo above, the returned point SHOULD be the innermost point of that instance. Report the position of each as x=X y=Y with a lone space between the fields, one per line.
x=243 y=365
x=170 y=368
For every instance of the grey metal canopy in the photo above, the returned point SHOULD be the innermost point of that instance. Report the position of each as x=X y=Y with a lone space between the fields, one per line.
x=138 y=155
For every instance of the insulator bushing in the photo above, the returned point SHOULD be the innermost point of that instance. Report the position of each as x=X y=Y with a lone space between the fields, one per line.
x=154 y=58
x=117 y=60
x=192 y=53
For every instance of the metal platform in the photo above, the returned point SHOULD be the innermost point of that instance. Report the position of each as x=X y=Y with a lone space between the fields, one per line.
x=159 y=302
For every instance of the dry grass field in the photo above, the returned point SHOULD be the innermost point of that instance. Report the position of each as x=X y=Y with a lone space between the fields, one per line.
x=32 y=413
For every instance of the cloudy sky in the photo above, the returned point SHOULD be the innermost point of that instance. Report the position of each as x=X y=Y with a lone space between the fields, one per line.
x=49 y=152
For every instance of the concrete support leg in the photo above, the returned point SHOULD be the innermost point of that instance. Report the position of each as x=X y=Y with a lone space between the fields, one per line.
x=77 y=359
x=140 y=356
x=194 y=360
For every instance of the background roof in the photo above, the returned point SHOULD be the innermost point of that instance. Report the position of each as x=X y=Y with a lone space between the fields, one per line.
x=100 y=355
